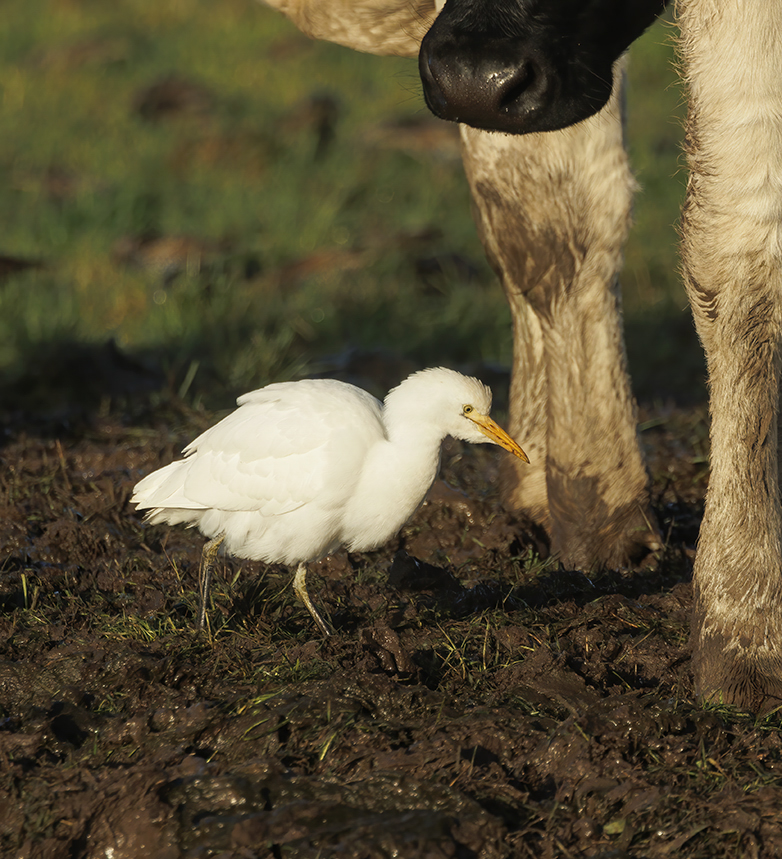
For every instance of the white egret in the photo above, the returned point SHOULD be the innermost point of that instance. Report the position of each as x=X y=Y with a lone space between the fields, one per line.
x=303 y=468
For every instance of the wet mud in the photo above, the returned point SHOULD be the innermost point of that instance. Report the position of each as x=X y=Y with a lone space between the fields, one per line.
x=476 y=700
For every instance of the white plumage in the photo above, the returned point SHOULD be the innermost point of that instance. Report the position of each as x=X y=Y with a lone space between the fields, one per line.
x=302 y=468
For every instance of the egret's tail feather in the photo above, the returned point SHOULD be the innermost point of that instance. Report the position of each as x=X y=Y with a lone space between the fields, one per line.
x=162 y=495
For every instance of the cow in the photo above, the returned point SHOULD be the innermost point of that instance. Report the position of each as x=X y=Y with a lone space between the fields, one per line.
x=536 y=86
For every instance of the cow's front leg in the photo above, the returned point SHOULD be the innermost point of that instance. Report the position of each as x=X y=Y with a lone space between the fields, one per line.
x=553 y=211
x=732 y=229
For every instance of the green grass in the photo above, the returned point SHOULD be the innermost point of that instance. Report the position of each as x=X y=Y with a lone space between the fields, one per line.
x=656 y=113
x=241 y=175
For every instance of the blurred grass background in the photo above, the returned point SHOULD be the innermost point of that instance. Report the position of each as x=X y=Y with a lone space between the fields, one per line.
x=198 y=199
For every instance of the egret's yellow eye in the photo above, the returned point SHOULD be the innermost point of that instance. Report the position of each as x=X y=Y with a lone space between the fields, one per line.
x=466 y=410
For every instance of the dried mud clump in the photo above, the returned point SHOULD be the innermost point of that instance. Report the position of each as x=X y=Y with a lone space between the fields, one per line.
x=476 y=701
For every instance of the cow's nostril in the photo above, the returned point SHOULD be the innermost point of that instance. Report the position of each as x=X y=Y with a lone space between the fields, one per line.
x=518 y=84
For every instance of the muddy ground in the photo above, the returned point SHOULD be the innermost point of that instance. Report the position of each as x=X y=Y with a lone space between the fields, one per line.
x=476 y=701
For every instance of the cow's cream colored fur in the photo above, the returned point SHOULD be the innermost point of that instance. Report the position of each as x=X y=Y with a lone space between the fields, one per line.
x=732 y=234
x=373 y=26
x=553 y=212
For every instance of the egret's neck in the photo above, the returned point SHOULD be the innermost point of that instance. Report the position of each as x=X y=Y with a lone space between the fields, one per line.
x=413 y=451
x=396 y=477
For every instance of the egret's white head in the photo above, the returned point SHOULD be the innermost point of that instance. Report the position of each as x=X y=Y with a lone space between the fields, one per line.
x=457 y=405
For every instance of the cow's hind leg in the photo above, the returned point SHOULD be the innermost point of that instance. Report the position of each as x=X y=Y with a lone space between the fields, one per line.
x=732 y=232
x=553 y=211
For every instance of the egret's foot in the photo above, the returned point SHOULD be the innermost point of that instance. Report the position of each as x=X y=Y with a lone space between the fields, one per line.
x=208 y=556
x=300 y=589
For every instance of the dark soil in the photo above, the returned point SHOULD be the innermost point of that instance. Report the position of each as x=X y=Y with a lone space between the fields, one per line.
x=476 y=701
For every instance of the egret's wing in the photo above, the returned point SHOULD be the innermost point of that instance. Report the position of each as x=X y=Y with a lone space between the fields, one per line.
x=285 y=446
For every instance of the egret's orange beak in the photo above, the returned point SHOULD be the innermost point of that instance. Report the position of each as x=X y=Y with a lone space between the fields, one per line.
x=491 y=429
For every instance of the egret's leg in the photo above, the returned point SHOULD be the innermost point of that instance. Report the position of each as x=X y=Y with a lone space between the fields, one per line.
x=208 y=556
x=300 y=588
